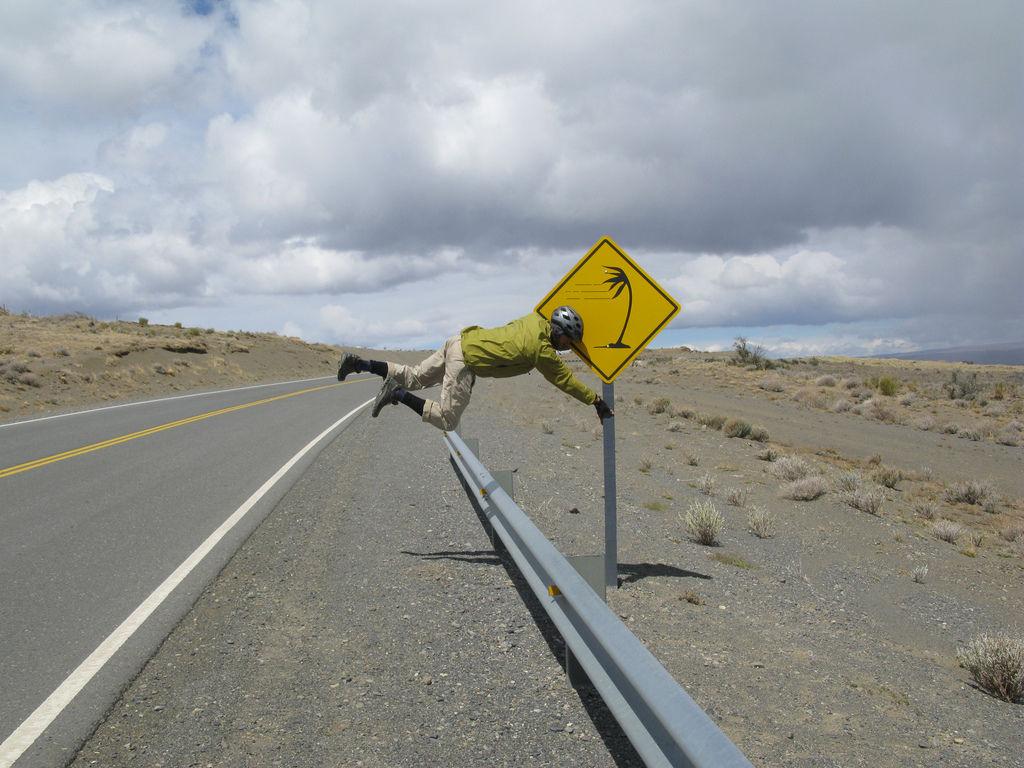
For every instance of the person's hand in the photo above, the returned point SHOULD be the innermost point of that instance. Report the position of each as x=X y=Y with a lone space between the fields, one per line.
x=603 y=411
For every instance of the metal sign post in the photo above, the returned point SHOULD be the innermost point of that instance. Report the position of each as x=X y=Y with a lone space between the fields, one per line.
x=611 y=531
x=623 y=309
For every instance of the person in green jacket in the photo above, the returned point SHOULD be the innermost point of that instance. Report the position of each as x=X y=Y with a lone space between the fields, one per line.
x=510 y=350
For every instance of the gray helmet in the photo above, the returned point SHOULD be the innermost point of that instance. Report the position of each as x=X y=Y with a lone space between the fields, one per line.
x=568 y=321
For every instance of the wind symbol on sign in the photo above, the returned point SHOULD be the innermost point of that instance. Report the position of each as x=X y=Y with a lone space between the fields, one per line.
x=619 y=282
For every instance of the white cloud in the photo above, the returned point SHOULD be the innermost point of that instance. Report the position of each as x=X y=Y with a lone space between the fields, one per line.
x=372 y=328
x=98 y=56
x=774 y=166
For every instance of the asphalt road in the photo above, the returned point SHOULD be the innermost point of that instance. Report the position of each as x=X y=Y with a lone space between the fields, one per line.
x=98 y=509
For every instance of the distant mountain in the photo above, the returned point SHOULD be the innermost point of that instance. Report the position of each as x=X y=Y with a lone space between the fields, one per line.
x=1011 y=353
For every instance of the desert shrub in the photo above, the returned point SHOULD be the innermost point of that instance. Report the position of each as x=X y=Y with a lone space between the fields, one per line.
x=1001 y=390
x=143 y=321
x=947 y=530
x=761 y=522
x=969 y=433
x=852 y=384
x=841 y=405
x=848 y=482
x=866 y=500
x=825 y=381
x=773 y=384
x=1012 y=533
x=790 y=468
x=977 y=537
x=1008 y=437
x=711 y=421
x=675 y=426
x=737 y=497
x=680 y=411
x=646 y=465
x=637 y=400
x=805 y=489
x=704 y=522
x=546 y=428
x=949 y=429
x=692 y=459
x=919 y=573
x=968 y=492
x=878 y=409
x=887 y=476
x=62 y=352
x=888 y=386
x=925 y=511
x=34 y=353
x=768 y=454
x=758 y=434
x=997 y=664
x=706 y=484
x=177 y=325
x=811 y=397
x=30 y=380
x=736 y=428
x=658 y=406
x=17 y=367
x=962 y=386
x=194 y=331
x=745 y=355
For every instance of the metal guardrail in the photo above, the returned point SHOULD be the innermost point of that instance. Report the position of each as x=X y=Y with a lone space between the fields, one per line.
x=665 y=726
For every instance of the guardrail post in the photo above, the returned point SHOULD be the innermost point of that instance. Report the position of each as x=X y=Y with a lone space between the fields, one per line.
x=591 y=568
x=507 y=481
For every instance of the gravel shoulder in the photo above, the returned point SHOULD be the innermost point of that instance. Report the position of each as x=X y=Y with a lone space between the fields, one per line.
x=367 y=622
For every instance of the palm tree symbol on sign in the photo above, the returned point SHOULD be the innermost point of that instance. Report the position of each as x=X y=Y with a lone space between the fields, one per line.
x=619 y=282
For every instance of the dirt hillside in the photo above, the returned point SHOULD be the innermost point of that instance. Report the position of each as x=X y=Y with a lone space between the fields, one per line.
x=64 y=362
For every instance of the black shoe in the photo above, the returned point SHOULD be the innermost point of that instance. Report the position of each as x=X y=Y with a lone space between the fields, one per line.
x=386 y=396
x=347 y=365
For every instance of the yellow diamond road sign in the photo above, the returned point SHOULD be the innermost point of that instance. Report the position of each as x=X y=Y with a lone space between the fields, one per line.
x=623 y=309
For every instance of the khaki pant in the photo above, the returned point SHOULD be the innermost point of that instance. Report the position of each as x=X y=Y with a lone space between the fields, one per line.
x=447 y=367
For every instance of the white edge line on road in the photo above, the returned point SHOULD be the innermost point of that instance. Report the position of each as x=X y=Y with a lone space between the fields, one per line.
x=162 y=399
x=25 y=734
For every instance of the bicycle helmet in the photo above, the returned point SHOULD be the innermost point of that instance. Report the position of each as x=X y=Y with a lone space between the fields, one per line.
x=567 y=320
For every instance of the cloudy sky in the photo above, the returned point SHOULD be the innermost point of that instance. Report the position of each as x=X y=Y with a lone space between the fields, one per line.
x=821 y=177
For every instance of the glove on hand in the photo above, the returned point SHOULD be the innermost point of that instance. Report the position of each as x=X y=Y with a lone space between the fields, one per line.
x=603 y=411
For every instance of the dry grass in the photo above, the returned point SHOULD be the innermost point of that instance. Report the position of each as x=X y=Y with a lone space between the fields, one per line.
x=768 y=454
x=736 y=497
x=736 y=428
x=806 y=488
x=848 y=482
x=947 y=530
x=887 y=476
x=706 y=484
x=704 y=522
x=761 y=522
x=790 y=468
x=996 y=663
x=968 y=492
x=925 y=511
x=869 y=501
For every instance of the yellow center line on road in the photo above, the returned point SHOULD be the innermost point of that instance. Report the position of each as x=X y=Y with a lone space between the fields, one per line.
x=37 y=463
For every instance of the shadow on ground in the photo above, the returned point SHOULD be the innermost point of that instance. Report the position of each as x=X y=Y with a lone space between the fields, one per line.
x=630 y=573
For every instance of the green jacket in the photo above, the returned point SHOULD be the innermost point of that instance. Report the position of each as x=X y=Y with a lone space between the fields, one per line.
x=519 y=347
